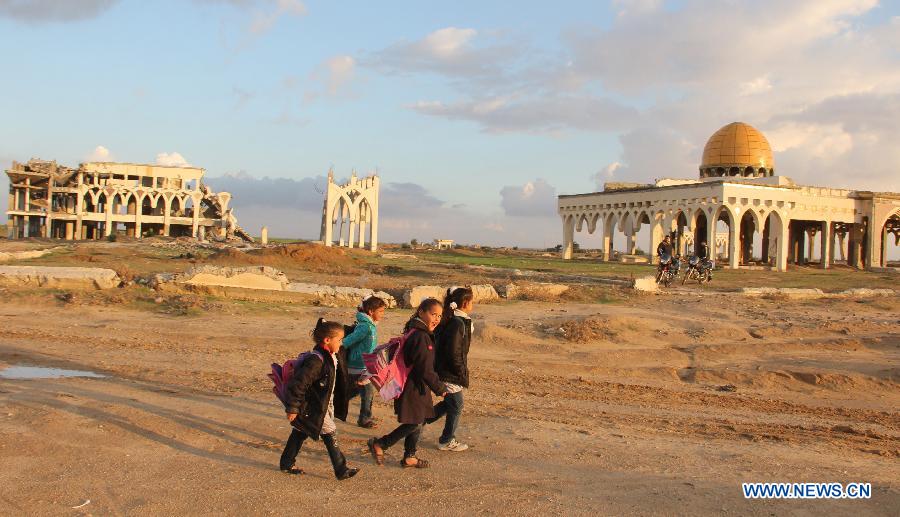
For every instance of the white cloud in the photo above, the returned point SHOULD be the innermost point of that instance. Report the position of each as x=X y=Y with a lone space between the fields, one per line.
x=759 y=85
x=605 y=174
x=99 y=154
x=535 y=113
x=533 y=199
x=448 y=42
x=332 y=77
x=40 y=11
x=172 y=160
x=263 y=21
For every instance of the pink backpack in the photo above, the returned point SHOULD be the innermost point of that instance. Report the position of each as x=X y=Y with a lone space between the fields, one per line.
x=281 y=374
x=387 y=367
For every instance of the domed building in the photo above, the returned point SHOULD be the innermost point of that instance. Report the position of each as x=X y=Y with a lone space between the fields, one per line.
x=737 y=149
x=749 y=216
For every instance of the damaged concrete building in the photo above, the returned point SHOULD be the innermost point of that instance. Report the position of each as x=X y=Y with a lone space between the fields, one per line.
x=100 y=199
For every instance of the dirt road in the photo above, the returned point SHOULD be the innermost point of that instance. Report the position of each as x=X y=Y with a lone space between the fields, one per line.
x=656 y=405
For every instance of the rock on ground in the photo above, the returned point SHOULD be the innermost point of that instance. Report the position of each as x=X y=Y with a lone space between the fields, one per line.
x=59 y=277
x=251 y=277
x=413 y=297
x=340 y=296
x=646 y=283
x=533 y=290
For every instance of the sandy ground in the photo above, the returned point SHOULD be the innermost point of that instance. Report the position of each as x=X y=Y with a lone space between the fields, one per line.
x=633 y=420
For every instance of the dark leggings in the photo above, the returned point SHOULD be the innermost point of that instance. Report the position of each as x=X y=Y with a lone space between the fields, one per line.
x=410 y=434
x=295 y=441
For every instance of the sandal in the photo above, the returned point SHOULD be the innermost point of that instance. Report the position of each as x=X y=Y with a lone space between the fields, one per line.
x=378 y=456
x=294 y=470
x=419 y=464
x=368 y=425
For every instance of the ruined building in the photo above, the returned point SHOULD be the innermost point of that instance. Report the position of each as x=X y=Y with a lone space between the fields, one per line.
x=99 y=199
x=349 y=209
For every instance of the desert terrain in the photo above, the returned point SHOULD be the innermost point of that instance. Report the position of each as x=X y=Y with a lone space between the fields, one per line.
x=604 y=401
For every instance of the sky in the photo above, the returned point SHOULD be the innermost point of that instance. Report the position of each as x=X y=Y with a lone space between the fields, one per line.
x=476 y=115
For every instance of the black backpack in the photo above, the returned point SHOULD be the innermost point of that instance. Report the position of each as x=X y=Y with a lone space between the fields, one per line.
x=348 y=329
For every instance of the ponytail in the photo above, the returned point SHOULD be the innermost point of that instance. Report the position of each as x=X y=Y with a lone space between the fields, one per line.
x=324 y=329
x=456 y=297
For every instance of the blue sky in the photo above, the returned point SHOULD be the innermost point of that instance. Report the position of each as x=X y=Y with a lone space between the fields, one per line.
x=481 y=111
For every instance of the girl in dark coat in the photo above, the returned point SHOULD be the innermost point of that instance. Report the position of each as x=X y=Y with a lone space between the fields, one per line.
x=454 y=335
x=315 y=395
x=414 y=404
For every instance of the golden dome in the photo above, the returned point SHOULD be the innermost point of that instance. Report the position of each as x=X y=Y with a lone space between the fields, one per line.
x=737 y=147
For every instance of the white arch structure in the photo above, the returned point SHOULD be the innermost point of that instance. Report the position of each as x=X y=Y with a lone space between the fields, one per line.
x=350 y=209
x=785 y=216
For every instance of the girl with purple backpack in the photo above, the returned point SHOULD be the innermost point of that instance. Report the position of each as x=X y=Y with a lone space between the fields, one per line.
x=414 y=405
x=315 y=395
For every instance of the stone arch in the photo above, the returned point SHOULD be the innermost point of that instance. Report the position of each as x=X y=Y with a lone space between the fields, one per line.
x=581 y=219
x=777 y=245
x=889 y=233
x=725 y=215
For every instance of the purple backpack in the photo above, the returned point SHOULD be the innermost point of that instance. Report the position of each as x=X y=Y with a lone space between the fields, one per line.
x=281 y=373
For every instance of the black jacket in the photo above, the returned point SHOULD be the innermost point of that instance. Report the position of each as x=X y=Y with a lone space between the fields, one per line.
x=308 y=391
x=451 y=360
x=664 y=248
x=415 y=404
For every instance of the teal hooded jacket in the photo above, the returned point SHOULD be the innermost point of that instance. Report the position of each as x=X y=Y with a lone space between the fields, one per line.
x=362 y=340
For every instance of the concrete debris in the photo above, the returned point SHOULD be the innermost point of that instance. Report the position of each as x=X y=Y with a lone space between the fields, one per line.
x=251 y=277
x=340 y=296
x=59 y=277
x=646 y=284
x=533 y=290
x=24 y=255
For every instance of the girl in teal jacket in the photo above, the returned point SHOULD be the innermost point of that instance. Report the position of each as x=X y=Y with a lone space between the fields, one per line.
x=363 y=340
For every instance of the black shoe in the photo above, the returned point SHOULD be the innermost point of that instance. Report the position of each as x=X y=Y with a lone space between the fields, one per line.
x=293 y=470
x=347 y=474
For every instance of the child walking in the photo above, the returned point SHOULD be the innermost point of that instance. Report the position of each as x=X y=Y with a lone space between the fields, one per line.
x=451 y=362
x=363 y=340
x=314 y=396
x=414 y=404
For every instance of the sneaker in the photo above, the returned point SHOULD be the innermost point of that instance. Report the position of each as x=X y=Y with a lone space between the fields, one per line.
x=452 y=445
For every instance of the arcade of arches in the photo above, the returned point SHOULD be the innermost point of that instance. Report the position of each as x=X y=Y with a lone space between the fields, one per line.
x=751 y=217
x=100 y=199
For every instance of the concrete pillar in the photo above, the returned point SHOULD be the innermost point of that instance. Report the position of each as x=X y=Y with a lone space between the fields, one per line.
x=656 y=236
x=27 y=207
x=70 y=230
x=362 y=233
x=734 y=243
x=568 y=244
x=373 y=245
x=264 y=235
x=341 y=209
x=79 y=208
x=630 y=241
x=810 y=243
x=108 y=211
x=48 y=220
x=351 y=236
x=195 y=217
x=826 y=244
x=328 y=229
x=167 y=209
x=782 y=246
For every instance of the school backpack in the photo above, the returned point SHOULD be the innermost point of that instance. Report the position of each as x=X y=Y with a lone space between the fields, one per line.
x=348 y=329
x=281 y=373
x=387 y=368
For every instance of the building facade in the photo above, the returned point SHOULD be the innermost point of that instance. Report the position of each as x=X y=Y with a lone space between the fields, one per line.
x=770 y=220
x=99 y=199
